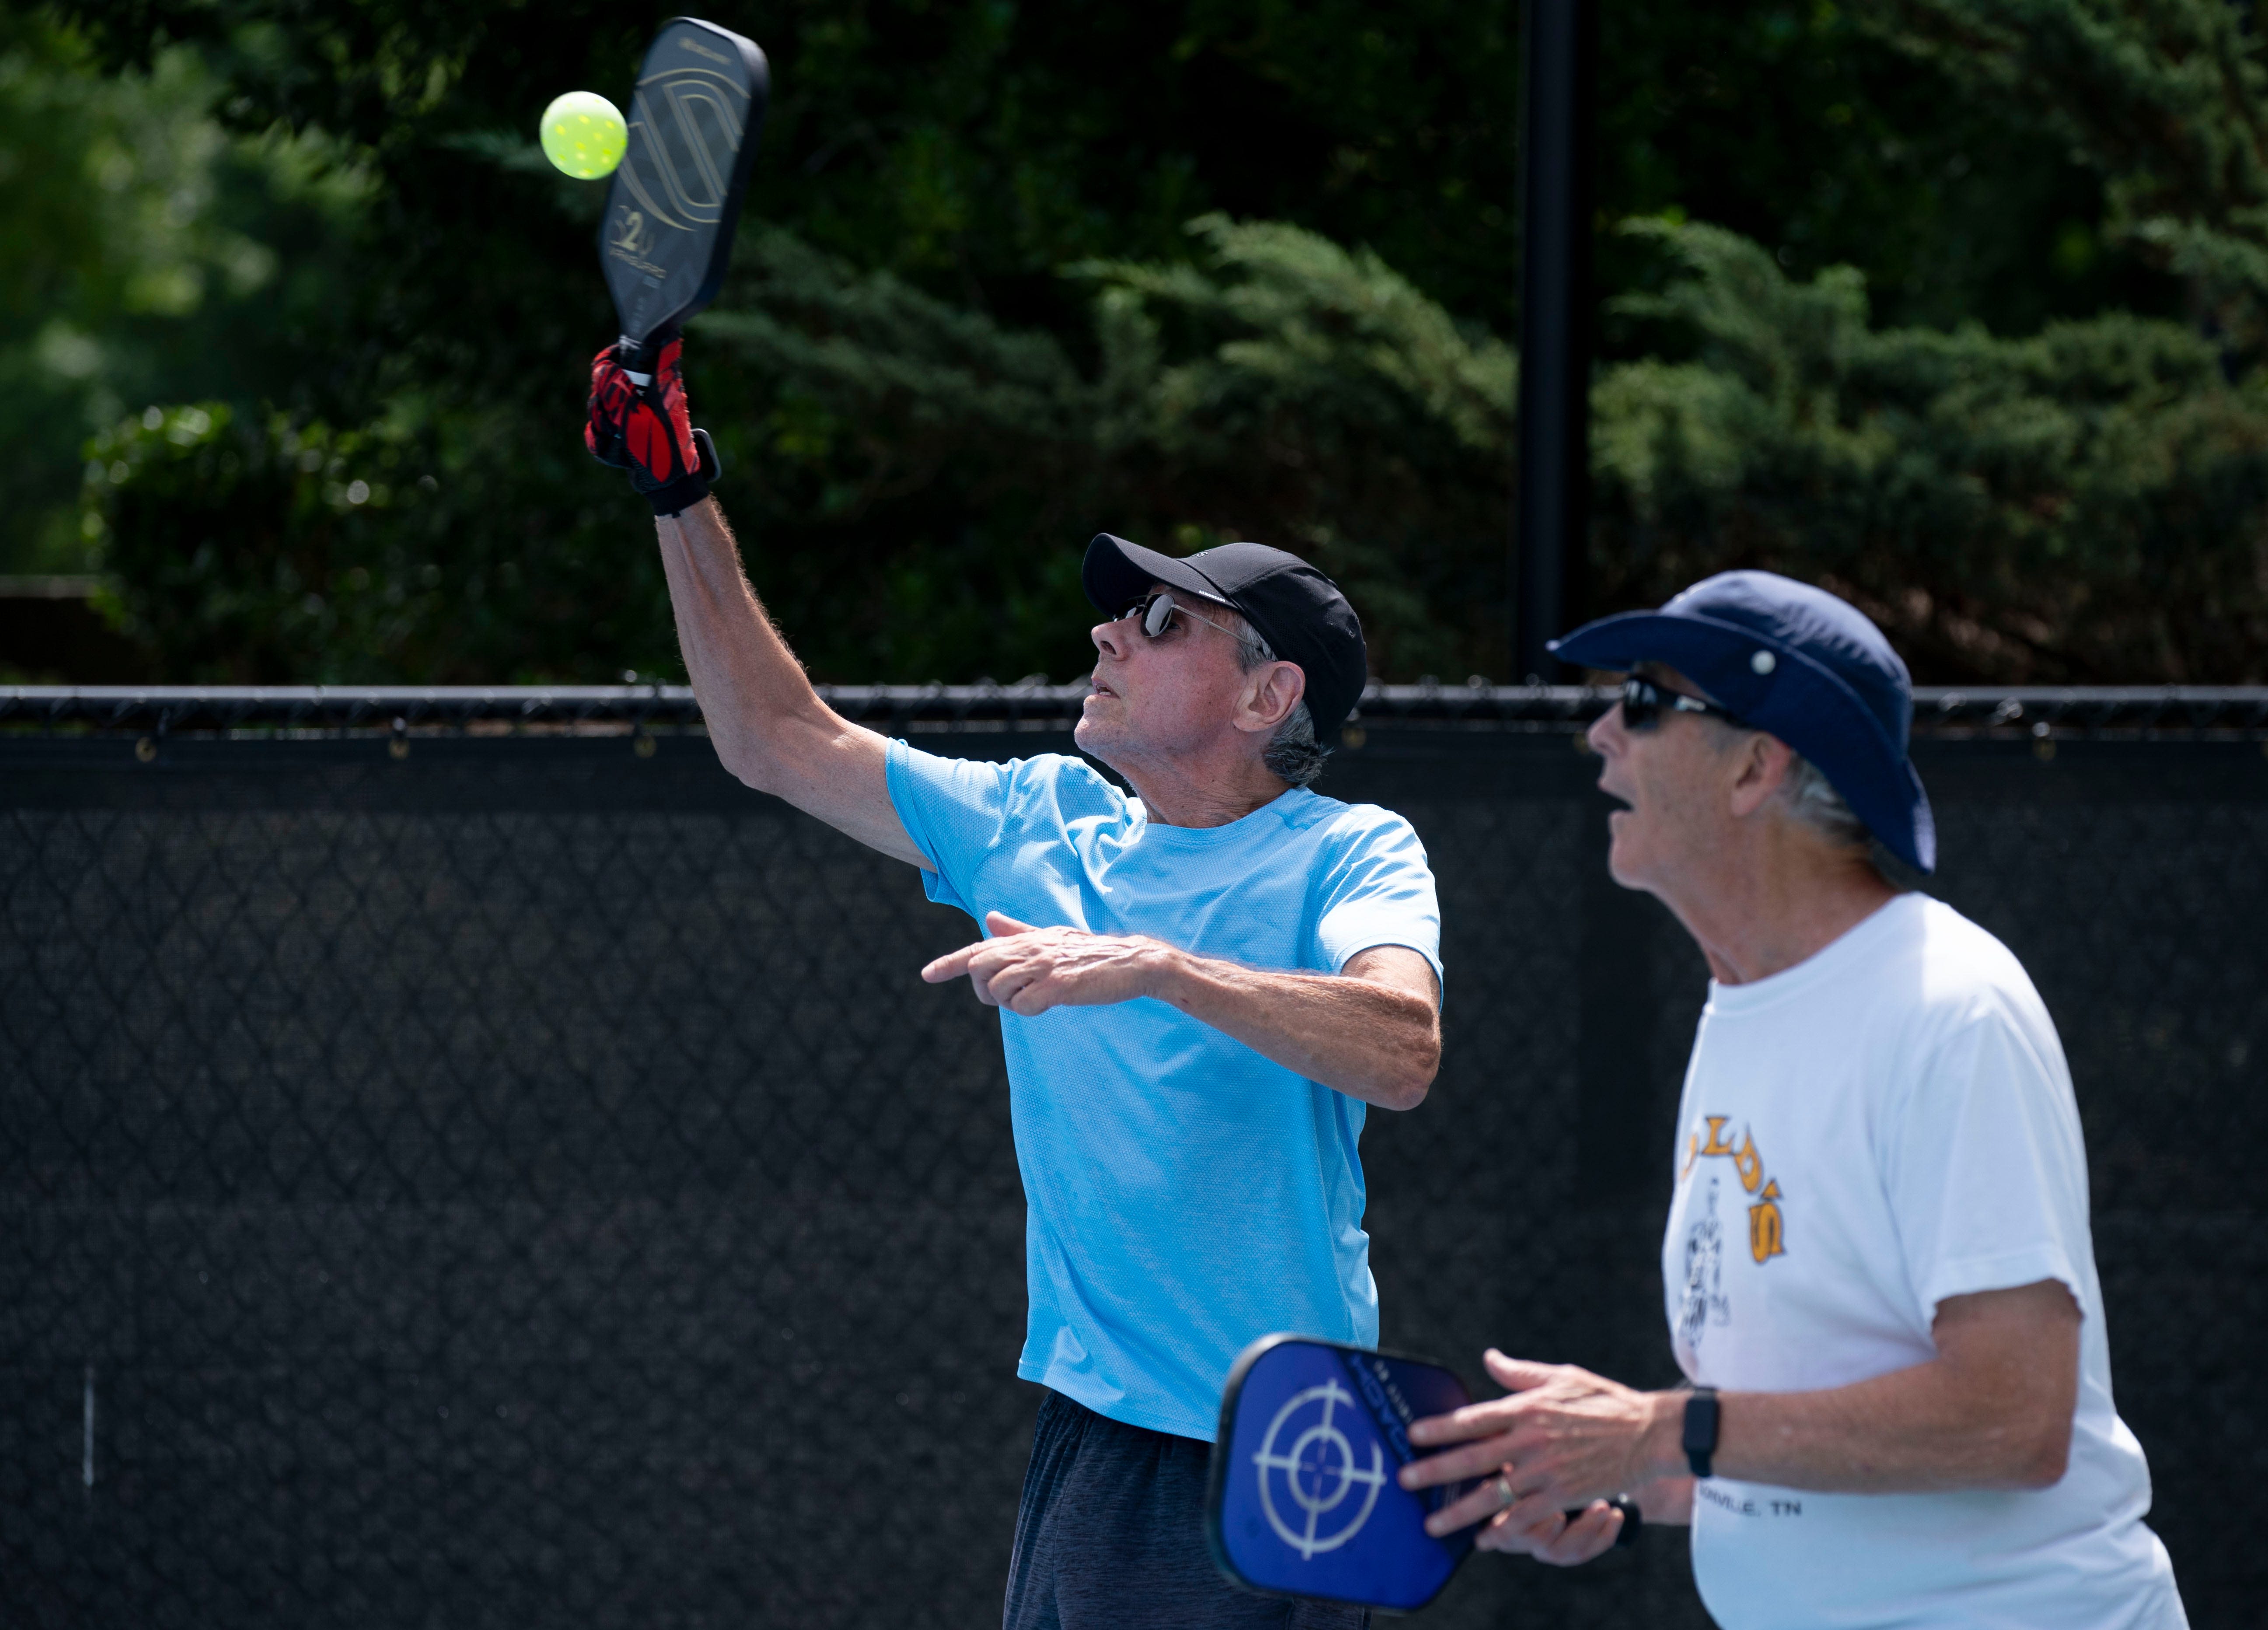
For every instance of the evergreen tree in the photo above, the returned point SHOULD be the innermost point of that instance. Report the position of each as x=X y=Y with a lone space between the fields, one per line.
x=2168 y=101
x=967 y=329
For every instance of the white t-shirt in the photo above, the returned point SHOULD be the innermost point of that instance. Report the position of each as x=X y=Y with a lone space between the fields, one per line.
x=1884 y=1126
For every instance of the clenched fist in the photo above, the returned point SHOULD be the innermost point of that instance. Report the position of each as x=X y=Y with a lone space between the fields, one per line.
x=647 y=430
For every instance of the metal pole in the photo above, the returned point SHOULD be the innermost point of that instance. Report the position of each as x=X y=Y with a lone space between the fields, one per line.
x=1550 y=515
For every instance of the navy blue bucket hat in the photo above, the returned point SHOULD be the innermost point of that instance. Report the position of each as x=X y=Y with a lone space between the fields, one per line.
x=1794 y=660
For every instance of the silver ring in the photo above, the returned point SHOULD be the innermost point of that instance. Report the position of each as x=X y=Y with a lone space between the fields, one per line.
x=1504 y=1494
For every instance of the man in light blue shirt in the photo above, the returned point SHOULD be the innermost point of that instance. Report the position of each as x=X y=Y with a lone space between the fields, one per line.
x=1187 y=1193
x=1204 y=986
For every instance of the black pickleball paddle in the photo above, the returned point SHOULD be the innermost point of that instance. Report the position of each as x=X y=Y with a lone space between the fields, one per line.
x=668 y=235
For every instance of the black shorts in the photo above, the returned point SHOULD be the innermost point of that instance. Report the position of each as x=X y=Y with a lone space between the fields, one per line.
x=1110 y=1536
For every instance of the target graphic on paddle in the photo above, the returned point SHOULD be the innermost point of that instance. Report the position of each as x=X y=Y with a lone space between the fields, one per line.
x=1307 y=1465
x=1303 y=1500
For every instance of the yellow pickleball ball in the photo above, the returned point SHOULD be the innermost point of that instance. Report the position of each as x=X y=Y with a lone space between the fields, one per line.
x=584 y=135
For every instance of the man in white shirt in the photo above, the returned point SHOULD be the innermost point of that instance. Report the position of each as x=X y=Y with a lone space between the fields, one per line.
x=1878 y=1271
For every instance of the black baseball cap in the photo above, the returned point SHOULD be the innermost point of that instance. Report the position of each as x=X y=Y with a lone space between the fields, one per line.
x=1298 y=611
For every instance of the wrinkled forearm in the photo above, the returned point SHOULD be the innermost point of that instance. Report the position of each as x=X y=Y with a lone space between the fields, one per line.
x=751 y=687
x=1923 y=1430
x=1368 y=1039
x=768 y=725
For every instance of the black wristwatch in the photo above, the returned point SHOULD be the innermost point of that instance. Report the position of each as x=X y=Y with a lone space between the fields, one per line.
x=1700 y=1434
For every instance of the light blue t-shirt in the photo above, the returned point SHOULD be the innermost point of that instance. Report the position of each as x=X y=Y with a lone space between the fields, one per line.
x=1184 y=1194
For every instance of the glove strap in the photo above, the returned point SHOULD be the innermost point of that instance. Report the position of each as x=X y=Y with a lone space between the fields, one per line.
x=690 y=488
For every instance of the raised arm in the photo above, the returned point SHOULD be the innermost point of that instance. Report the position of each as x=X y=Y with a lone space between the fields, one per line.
x=769 y=726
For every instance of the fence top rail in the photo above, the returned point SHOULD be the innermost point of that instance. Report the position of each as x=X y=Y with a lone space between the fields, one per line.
x=144 y=710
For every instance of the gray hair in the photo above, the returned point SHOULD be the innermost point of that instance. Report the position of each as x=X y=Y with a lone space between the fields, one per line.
x=1807 y=794
x=1811 y=798
x=1292 y=752
x=1813 y=803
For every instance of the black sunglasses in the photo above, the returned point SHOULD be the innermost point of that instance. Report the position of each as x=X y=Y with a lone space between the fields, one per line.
x=1643 y=702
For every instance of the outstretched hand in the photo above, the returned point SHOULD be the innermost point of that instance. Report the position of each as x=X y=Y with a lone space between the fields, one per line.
x=1561 y=1438
x=1028 y=971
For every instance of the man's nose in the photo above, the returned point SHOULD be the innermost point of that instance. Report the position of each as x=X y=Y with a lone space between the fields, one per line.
x=1605 y=734
x=1110 y=638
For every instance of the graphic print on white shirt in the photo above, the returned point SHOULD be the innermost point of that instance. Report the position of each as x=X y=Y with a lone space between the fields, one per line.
x=1887 y=1124
x=1704 y=1301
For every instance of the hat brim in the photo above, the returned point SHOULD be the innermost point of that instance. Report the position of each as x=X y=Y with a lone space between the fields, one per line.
x=1619 y=643
x=1116 y=573
x=1874 y=774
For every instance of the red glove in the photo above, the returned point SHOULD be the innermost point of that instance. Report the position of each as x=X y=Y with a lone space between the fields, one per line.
x=645 y=430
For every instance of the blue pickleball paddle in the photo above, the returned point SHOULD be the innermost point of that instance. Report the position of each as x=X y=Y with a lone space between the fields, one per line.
x=1303 y=1500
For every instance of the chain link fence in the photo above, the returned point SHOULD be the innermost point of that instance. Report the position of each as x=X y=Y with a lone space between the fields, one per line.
x=465 y=1161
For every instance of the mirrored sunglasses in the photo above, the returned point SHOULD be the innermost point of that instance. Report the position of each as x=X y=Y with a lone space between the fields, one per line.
x=1643 y=702
x=1156 y=612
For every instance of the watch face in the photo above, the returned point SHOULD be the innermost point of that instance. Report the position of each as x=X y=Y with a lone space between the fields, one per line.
x=1699 y=1436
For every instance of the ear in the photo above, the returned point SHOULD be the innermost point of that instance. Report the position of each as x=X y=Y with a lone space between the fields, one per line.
x=1760 y=767
x=1270 y=692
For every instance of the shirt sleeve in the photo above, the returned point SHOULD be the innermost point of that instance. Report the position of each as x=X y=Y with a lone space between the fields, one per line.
x=956 y=810
x=1381 y=893
x=1986 y=1167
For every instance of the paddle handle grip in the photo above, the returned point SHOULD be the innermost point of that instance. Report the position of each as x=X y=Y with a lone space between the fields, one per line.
x=1632 y=1521
x=640 y=358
